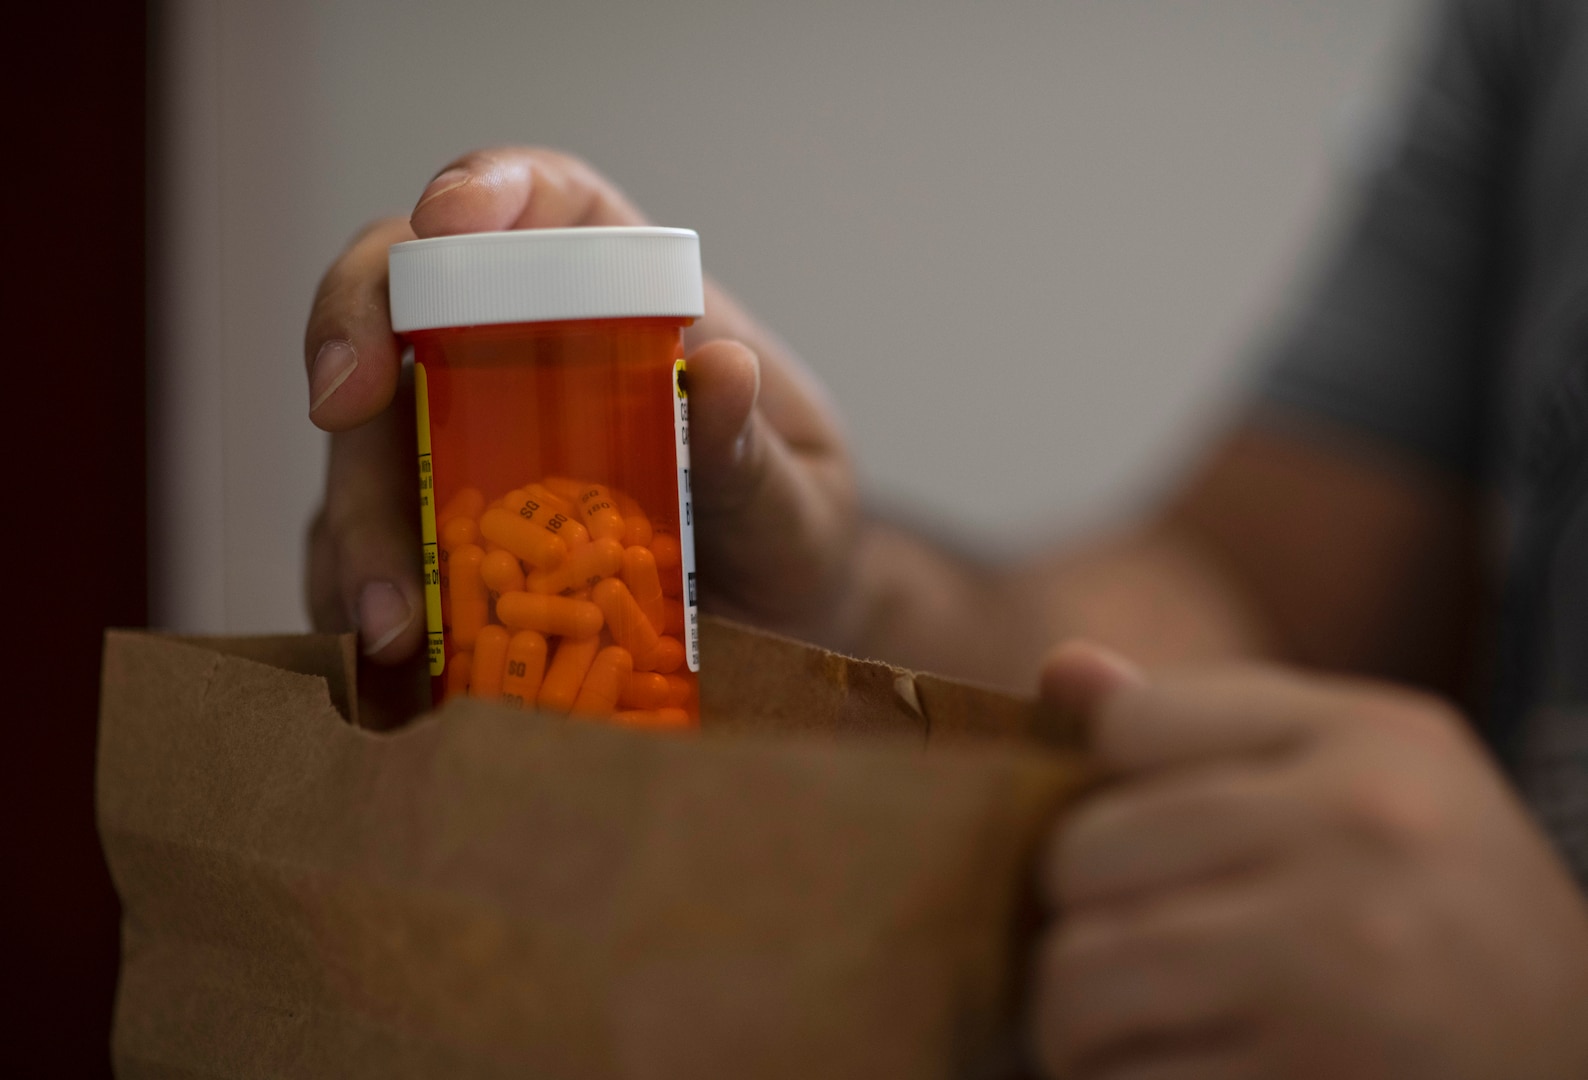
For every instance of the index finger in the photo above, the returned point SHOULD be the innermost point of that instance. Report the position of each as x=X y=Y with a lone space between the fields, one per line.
x=1193 y=719
x=519 y=187
x=352 y=355
x=526 y=187
x=353 y=358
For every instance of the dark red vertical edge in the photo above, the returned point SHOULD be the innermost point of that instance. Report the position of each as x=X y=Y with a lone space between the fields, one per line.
x=74 y=396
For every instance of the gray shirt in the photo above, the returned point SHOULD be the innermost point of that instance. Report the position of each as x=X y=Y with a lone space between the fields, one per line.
x=1452 y=321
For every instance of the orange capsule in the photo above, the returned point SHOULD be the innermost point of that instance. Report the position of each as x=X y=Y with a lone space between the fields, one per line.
x=468 y=503
x=561 y=616
x=600 y=513
x=639 y=574
x=458 y=532
x=669 y=564
x=628 y=624
x=561 y=505
x=573 y=534
x=564 y=488
x=501 y=573
x=598 y=696
x=636 y=524
x=676 y=718
x=526 y=665
x=471 y=604
x=679 y=689
x=502 y=501
x=457 y=675
x=535 y=503
x=644 y=690
x=490 y=664
x=660 y=719
x=583 y=568
x=566 y=673
x=667 y=657
x=672 y=617
x=524 y=538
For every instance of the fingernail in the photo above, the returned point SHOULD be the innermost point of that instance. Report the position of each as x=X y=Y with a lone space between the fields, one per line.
x=447 y=181
x=335 y=361
x=1079 y=675
x=383 y=614
x=1122 y=671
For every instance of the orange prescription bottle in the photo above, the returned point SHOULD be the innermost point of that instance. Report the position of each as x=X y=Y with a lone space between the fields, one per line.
x=553 y=426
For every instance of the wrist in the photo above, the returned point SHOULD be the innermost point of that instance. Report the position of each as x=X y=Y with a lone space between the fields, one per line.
x=916 y=605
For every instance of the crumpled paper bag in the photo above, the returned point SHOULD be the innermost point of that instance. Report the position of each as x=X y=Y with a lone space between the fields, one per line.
x=832 y=880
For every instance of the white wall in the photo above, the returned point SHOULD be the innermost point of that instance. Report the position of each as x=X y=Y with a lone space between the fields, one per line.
x=1025 y=243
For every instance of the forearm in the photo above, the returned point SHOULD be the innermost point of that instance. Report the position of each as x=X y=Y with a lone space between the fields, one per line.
x=1148 y=592
x=1288 y=542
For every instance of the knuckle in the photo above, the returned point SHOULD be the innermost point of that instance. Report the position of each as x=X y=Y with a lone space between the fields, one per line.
x=561 y=158
x=1412 y=713
x=342 y=291
x=376 y=228
x=548 y=164
x=1388 y=793
x=366 y=538
x=1395 y=812
x=832 y=478
x=481 y=159
x=347 y=289
x=729 y=493
x=554 y=164
x=330 y=318
x=326 y=321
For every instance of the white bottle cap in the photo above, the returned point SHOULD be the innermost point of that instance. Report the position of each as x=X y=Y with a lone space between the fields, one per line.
x=545 y=275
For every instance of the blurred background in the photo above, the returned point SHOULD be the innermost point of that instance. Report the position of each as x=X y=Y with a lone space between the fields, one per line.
x=1026 y=244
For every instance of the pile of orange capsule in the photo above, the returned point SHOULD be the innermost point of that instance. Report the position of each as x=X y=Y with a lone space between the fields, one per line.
x=560 y=597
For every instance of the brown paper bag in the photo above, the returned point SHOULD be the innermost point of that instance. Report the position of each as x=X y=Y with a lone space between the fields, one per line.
x=485 y=893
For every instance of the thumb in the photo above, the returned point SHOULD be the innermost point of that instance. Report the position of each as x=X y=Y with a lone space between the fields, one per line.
x=770 y=525
x=1078 y=677
x=724 y=383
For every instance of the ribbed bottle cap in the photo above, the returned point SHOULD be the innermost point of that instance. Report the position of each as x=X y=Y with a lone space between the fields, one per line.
x=544 y=275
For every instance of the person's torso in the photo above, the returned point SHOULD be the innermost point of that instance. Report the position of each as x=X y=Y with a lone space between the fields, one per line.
x=1539 y=443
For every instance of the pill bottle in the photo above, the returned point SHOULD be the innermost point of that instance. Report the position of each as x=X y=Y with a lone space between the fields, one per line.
x=553 y=424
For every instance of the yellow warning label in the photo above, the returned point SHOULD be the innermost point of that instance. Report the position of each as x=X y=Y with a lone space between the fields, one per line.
x=427 y=526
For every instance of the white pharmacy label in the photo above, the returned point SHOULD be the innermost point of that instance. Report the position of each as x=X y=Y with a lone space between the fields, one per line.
x=686 y=518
